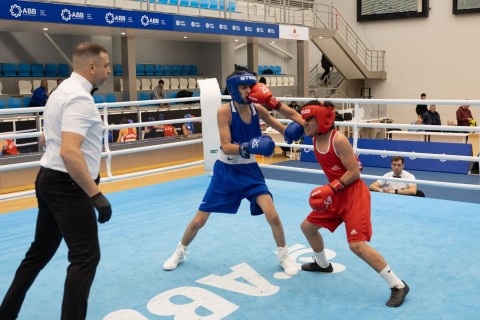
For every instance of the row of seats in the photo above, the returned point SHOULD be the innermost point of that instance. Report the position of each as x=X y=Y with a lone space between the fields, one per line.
x=274 y=70
x=159 y=70
x=110 y=97
x=274 y=81
x=146 y=84
x=34 y=70
x=14 y=102
x=202 y=4
x=28 y=86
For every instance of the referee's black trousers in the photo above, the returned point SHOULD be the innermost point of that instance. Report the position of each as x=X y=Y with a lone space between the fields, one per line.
x=64 y=211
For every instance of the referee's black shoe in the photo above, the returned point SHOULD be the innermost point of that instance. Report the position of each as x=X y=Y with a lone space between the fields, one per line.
x=397 y=296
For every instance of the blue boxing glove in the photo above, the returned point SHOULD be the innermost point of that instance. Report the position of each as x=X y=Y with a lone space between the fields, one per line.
x=263 y=145
x=293 y=132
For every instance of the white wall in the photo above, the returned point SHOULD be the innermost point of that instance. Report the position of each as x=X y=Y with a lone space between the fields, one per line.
x=438 y=55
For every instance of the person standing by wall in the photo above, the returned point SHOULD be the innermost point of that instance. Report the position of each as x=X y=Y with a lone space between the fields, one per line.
x=421 y=108
x=67 y=188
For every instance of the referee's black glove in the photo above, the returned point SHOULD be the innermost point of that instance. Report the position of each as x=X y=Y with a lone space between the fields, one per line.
x=103 y=207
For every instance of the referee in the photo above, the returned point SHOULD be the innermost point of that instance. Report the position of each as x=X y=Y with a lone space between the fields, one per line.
x=67 y=187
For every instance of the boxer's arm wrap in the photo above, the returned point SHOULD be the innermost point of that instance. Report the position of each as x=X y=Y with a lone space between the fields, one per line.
x=337 y=185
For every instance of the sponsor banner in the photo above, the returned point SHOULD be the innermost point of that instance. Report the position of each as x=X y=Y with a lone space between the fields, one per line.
x=227 y=27
x=106 y=17
x=293 y=32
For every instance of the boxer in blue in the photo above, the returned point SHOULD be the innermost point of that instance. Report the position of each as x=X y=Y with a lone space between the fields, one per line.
x=240 y=139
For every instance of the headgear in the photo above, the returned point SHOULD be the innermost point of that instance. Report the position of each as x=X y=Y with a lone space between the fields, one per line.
x=236 y=79
x=151 y=119
x=322 y=111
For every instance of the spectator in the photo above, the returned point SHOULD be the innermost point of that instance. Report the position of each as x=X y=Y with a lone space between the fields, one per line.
x=327 y=66
x=187 y=127
x=127 y=134
x=432 y=117
x=464 y=115
x=263 y=80
x=159 y=92
x=151 y=131
x=397 y=187
x=8 y=147
x=169 y=130
x=421 y=108
x=418 y=122
x=40 y=95
x=295 y=106
x=58 y=83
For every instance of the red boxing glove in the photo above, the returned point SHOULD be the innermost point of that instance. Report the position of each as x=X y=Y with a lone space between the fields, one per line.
x=321 y=198
x=261 y=94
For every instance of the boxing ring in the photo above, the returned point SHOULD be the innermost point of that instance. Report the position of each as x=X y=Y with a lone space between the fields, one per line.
x=232 y=271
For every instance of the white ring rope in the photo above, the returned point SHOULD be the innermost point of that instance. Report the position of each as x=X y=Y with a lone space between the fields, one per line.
x=356 y=123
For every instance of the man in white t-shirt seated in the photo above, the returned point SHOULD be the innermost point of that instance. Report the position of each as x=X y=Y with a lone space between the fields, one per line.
x=397 y=187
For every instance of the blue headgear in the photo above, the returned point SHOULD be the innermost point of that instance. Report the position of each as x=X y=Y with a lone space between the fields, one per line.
x=189 y=125
x=151 y=119
x=239 y=78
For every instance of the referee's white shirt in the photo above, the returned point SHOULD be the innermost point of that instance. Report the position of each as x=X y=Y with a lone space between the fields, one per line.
x=397 y=185
x=71 y=108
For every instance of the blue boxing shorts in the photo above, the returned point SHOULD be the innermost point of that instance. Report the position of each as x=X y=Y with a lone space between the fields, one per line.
x=230 y=184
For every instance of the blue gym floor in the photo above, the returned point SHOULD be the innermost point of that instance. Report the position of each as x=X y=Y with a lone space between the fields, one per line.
x=232 y=271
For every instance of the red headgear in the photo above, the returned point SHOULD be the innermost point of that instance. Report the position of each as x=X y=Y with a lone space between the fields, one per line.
x=323 y=112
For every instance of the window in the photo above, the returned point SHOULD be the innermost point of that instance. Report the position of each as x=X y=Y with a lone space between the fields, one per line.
x=372 y=10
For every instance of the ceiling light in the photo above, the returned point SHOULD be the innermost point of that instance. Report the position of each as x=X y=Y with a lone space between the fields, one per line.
x=45 y=29
x=185 y=37
x=236 y=40
x=123 y=33
x=320 y=37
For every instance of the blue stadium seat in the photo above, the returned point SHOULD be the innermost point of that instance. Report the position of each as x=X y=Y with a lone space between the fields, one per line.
x=193 y=70
x=140 y=69
x=163 y=1
x=9 y=70
x=185 y=70
x=194 y=3
x=14 y=102
x=159 y=69
x=214 y=4
x=50 y=70
x=63 y=70
x=231 y=6
x=185 y=3
x=24 y=70
x=3 y=103
x=204 y=4
x=173 y=2
x=278 y=70
x=117 y=70
x=143 y=96
x=26 y=101
x=1 y=69
x=99 y=98
x=168 y=70
x=260 y=69
x=177 y=70
x=149 y=70
x=38 y=70
x=110 y=97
